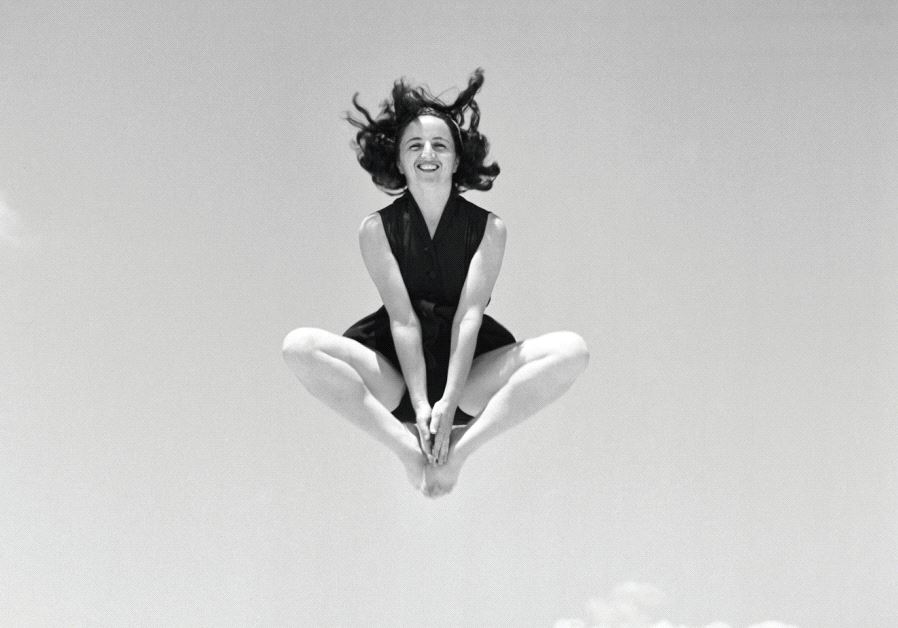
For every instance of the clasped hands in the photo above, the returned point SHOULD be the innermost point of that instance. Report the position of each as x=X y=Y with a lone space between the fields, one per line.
x=435 y=429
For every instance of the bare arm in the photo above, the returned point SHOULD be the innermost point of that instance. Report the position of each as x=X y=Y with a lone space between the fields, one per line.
x=475 y=294
x=404 y=324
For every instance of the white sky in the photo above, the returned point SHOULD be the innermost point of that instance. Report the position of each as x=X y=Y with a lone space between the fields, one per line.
x=704 y=190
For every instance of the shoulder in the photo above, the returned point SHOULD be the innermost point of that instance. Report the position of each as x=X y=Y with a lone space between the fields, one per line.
x=488 y=227
x=494 y=233
x=371 y=226
x=373 y=241
x=489 y=219
x=469 y=207
x=373 y=234
x=374 y=223
x=495 y=226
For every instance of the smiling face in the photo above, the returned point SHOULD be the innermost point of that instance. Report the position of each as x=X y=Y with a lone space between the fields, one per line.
x=427 y=153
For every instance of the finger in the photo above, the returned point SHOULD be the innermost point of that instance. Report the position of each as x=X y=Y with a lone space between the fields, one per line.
x=444 y=453
x=435 y=448
x=424 y=438
x=434 y=423
x=438 y=447
x=442 y=445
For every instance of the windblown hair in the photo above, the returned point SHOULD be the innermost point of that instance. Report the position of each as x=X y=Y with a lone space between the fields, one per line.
x=377 y=140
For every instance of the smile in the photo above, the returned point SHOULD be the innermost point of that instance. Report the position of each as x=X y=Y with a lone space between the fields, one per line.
x=428 y=166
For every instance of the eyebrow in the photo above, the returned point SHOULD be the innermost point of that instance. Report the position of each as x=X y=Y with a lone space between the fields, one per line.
x=438 y=137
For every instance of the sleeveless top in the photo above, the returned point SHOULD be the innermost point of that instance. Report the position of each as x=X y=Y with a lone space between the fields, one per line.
x=433 y=271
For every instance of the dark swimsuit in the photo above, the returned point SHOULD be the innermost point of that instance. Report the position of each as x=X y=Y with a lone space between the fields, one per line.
x=434 y=271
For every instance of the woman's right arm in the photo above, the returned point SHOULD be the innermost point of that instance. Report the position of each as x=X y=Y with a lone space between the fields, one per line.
x=404 y=323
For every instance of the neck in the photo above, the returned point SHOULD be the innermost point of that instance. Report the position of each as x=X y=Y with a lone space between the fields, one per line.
x=431 y=200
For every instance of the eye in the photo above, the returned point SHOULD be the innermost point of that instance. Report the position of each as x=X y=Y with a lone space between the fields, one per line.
x=414 y=146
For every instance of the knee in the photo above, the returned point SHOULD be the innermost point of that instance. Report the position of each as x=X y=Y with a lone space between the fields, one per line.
x=300 y=345
x=572 y=351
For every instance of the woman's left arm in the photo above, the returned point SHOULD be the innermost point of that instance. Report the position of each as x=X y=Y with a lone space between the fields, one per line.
x=475 y=295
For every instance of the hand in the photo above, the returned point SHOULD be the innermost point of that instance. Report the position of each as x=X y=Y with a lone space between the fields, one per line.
x=422 y=421
x=442 y=416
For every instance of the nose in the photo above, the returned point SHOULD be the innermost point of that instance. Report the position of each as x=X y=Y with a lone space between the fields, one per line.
x=427 y=150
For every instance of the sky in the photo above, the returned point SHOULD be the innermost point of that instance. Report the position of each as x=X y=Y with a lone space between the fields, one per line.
x=705 y=191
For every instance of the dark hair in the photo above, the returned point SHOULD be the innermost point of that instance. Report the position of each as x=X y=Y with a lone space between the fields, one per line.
x=377 y=139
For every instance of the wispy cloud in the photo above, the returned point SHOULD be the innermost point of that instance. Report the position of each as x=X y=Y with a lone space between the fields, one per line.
x=630 y=605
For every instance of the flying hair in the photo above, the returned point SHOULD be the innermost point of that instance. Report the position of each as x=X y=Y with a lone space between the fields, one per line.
x=378 y=135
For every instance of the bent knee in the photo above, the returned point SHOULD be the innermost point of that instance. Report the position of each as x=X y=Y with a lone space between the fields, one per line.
x=571 y=349
x=301 y=344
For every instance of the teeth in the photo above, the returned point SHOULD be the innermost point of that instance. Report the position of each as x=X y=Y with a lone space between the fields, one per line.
x=428 y=167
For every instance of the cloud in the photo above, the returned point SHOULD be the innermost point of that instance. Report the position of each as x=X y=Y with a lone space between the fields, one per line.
x=629 y=606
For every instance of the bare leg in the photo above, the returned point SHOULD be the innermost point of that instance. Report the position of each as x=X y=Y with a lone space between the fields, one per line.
x=359 y=384
x=505 y=387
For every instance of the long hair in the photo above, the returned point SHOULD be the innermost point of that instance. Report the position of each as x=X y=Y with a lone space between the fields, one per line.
x=378 y=136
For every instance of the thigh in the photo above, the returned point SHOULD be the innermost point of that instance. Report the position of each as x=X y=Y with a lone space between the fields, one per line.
x=492 y=370
x=380 y=377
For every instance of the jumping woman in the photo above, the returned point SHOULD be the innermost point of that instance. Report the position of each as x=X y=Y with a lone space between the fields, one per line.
x=429 y=375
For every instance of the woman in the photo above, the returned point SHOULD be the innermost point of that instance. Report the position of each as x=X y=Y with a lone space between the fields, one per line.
x=430 y=357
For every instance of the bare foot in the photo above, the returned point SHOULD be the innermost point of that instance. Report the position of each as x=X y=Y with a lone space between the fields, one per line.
x=439 y=480
x=414 y=461
x=414 y=470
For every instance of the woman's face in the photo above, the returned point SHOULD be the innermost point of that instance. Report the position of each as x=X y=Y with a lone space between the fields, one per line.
x=427 y=152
